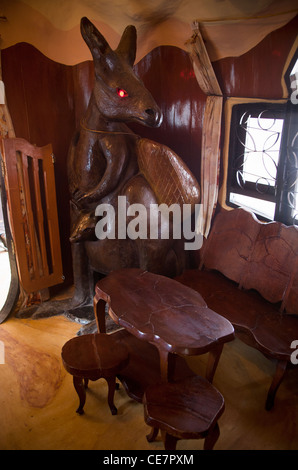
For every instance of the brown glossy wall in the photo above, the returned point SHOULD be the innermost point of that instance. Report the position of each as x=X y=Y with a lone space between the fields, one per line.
x=41 y=101
x=257 y=74
x=168 y=72
x=47 y=99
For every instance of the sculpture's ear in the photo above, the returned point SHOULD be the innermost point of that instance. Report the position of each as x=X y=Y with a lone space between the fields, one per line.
x=128 y=44
x=94 y=39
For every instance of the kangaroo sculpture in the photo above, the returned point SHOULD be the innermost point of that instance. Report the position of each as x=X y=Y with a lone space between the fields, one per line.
x=107 y=160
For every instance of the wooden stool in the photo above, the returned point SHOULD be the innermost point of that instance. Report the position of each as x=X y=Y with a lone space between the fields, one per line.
x=91 y=357
x=188 y=409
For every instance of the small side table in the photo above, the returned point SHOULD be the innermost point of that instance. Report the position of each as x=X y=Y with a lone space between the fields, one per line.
x=164 y=313
x=91 y=357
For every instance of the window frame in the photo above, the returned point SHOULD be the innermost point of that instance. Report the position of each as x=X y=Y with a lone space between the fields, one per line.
x=276 y=194
x=236 y=151
x=283 y=212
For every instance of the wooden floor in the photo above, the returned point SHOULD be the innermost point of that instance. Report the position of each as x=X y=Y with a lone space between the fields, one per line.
x=38 y=402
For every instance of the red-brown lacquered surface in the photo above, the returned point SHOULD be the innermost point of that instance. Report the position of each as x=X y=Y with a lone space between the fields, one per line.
x=186 y=409
x=164 y=312
x=93 y=356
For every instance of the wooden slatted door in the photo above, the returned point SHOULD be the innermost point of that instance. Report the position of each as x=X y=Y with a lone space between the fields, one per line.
x=31 y=191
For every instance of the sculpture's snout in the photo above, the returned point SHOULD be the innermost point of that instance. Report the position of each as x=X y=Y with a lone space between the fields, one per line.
x=153 y=117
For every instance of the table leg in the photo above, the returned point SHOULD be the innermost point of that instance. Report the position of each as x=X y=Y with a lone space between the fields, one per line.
x=167 y=364
x=214 y=356
x=99 y=312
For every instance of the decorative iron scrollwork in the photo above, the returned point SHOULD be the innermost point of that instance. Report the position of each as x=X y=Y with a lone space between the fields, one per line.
x=259 y=137
x=263 y=165
x=291 y=178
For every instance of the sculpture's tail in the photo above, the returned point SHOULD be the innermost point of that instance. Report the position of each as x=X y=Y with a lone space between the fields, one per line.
x=169 y=177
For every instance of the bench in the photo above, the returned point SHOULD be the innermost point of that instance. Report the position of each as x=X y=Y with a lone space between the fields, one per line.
x=248 y=273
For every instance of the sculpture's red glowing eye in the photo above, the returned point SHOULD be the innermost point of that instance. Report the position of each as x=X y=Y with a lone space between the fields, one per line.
x=122 y=93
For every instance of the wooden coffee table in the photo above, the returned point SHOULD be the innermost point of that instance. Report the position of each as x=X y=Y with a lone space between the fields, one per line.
x=162 y=320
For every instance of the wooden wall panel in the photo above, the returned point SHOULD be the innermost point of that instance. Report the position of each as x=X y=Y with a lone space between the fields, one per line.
x=83 y=81
x=40 y=99
x=257 y=74
x=167 y=72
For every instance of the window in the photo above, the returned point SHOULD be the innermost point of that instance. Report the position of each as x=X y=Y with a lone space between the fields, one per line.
x=263 y=159
x=256 y=134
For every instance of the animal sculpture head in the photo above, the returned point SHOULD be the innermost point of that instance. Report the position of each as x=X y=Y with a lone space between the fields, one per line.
x=119 y=93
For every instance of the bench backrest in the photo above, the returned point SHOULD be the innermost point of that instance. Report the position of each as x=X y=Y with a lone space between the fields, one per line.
x=256 y=255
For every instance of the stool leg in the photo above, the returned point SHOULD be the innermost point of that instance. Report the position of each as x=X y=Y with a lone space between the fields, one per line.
x=170 y=442
x=152 y=435
x=86 y=381
x=211 y=438
x=80 y=389
x=112 y=386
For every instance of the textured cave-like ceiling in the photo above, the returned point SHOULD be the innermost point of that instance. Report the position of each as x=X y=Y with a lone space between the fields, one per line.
x=229 y=27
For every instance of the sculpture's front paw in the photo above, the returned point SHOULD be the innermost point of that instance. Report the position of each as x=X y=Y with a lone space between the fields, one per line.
x=84 y=229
